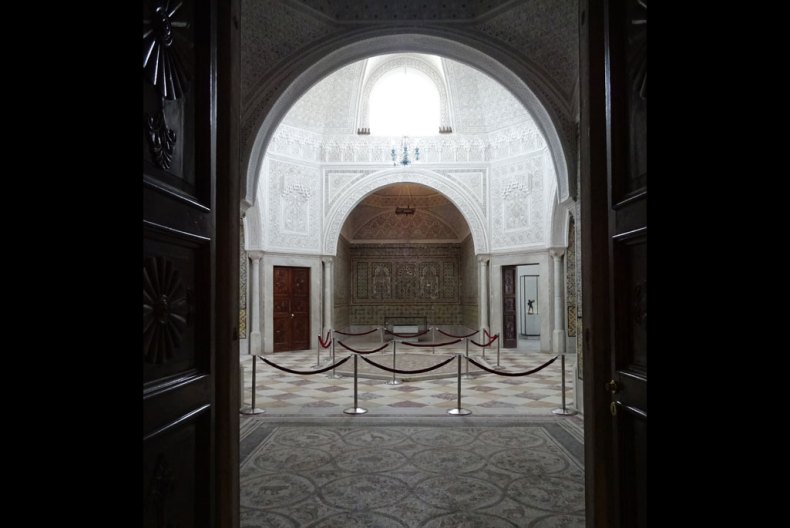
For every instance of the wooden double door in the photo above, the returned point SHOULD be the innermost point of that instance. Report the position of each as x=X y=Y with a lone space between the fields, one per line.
x=291 y=308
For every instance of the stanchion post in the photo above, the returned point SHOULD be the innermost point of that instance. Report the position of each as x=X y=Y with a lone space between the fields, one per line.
x=355 y=409
x=394 y=381
x=563 y=411
x=459 y=411
x=466 y=354
x=252 y=409
x=498 y=366
x=333 y=375
x=318 y=354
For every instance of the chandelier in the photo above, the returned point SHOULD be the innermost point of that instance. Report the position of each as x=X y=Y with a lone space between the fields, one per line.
x=405 y=151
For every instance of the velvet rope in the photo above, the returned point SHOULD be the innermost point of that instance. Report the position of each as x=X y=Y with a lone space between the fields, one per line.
x=418 y=371
x=451 y=335
x=359 y=334
x=418 y=334
x=290 y=371
x=500 y=373
x=486 y=334
x=382 y=347
x=492 y=340
x=430 y=344
x=325 y=344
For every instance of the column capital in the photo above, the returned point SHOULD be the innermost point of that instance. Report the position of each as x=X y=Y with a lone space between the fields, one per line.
x=328 y=259
x=255 y=254
x=557 y=252
x=482 y=259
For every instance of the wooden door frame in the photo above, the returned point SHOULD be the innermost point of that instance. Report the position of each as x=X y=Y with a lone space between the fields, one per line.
x=291 y=340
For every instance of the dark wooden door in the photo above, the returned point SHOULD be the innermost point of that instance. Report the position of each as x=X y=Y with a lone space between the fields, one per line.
x=291 y=308
x=179 y=160
x=509 y=335
x=614 y=185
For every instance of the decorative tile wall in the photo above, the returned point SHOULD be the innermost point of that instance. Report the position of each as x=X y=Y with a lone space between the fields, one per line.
x=406 y=280
x=469 y=285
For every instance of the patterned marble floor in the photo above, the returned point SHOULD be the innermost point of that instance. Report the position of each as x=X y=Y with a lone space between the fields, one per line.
x=284 y=394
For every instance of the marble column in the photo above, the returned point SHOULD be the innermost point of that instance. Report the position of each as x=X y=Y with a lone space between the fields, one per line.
x=329 y=289
x=482 y=262
x=558 y=336
x=255 y=304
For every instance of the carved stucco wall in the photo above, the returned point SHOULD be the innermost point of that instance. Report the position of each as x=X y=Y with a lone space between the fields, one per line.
x=536 y=40
x=330 y=107
x=293 y=212
x=242 y=284
x=470 y=310
x=342 y=283
x=519 y=214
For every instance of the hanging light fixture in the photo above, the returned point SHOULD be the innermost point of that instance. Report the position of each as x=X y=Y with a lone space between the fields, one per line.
x=408 y=209
x=405 y=151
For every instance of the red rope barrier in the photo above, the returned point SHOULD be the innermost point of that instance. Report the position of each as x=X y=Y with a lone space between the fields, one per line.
x=290 y=371
x=325 y=344
x=418 y=371
x=360 y=334
x=486 y=334
x=382 y=347
x=487 y=344
x=431 y=344
x=451 y=335
x=546 y=364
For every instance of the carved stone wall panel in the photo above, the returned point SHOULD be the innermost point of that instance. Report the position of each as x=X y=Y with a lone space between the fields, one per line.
x=434 y=313
x=518 y=205
x=294 y=206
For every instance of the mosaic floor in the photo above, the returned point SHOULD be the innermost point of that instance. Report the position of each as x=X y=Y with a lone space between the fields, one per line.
x=280 y=393
x=401 y=472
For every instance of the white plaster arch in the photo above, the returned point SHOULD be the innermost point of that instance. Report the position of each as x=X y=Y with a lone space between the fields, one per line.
x=560 y=218
x=418 y=64
x=268 y=109
x=355 y=192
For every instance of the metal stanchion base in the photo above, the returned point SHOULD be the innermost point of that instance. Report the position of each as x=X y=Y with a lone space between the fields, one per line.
x=459 y=412
x=355 y=410
x=251 y=410
x=499 y=368
x=564 y=412
x=334 y=376
x=394 y=382
x=467 y=377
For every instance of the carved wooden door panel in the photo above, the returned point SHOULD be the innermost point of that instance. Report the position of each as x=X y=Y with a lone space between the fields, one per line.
x=614 y=174
x=291 y=322
x=509 y=336
x=178 y=263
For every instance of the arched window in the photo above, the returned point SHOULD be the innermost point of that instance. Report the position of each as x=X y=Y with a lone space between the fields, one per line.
x=404 y=102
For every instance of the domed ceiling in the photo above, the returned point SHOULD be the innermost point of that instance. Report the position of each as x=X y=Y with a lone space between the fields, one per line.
x=475 y=103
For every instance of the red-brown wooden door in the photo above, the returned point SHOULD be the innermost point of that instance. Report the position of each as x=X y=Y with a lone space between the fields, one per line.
x=291 y=308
